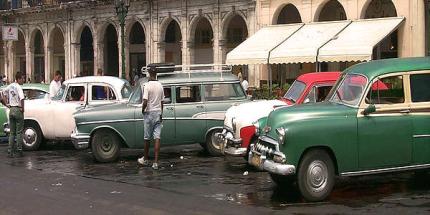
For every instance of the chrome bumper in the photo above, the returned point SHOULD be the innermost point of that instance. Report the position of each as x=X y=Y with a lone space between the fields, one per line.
x=230 y=145
x=80 y=141
x=262 y=162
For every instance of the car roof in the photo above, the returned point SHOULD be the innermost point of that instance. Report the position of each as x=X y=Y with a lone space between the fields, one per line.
x=114 y=81
x=43 y=87
x=313 y=77
x=376 y=68
x=194 y=77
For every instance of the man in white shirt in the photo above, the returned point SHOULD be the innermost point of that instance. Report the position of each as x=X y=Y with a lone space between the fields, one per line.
x=15 y=102
x=55 y=85
x=152 y=109
x=245 y=84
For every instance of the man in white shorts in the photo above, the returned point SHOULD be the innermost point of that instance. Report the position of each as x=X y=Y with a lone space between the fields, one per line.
x=152 y=109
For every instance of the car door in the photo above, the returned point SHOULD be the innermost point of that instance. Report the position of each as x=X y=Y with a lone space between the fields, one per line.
x=63 y=122
x=385 y=136
x=190 y=113
x=168 y=130
x=420 y=112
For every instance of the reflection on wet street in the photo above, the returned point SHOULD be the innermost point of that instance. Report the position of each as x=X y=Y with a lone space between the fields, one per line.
x=188 y=170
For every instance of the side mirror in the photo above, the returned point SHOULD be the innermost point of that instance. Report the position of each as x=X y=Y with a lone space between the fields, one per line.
x=370 y=109
x=307 y=100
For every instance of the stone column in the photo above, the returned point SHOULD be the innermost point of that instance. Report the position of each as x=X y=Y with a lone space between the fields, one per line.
x=66 y=61
x=49 y=55
x=222 y=50
x=76 y=60
x=29 y=59
x=10 y=66
x=190 y=52
x=161 y=50
x=98 y=56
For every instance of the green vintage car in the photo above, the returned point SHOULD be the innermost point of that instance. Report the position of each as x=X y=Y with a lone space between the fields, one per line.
x=194 y=111
x=375 y=120
x=31 y=91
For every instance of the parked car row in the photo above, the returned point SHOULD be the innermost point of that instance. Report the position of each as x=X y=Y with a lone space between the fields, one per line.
x=372 y=118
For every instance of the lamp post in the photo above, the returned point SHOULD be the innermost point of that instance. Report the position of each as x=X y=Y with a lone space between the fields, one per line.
x=121 y=8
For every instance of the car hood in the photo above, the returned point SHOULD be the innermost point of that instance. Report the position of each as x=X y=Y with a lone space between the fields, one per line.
x=246 y=113
x=317 y=111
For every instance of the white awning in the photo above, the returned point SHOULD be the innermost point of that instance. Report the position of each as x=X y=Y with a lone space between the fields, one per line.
x=357 y=41
x=255 y=49
x=302 y=47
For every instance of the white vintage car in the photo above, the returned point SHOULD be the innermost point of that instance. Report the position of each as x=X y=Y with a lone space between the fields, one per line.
x=239 y=130
x=52 y=119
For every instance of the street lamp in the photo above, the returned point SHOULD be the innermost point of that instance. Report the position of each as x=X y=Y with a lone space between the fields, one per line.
x=121 y=8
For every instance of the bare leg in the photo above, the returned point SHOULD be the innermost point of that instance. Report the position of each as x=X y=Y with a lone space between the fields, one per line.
x=146 y=150
x=157 y=149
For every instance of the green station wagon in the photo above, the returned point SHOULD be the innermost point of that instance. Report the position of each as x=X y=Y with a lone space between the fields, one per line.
x=194 y=110
x=376 y=119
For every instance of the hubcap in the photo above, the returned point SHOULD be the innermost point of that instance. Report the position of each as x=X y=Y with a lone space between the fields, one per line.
x=317 y=176
x=30 y=136
x=106 y=145
x=216 y=141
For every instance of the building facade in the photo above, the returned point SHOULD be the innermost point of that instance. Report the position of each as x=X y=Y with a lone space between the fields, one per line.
x=79 y=37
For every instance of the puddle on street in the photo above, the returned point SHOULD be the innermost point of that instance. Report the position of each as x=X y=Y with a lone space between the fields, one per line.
x=188 y=170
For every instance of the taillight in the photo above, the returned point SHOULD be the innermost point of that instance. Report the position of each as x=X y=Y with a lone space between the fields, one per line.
x=246 y=133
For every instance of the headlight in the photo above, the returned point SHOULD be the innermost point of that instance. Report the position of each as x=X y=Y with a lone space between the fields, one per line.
x=281 y=135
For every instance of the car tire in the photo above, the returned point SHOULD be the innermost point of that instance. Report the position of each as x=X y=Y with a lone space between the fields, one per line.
x=213 y=143
x=31 y=136
x=316 y=175
x=105 y=146
x=283 y=180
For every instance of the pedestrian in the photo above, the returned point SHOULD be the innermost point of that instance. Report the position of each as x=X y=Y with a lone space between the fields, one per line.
x=15 y=103
x=245 y=84
x=99 y=72
x=3 y=80
x=55 y=85
x=152 y=109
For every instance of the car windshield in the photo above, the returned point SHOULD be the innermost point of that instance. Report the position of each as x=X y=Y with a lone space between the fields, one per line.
x=126 y=91
x=136 y=95
x=295 y=91
x=60 y=93
x=349 y=89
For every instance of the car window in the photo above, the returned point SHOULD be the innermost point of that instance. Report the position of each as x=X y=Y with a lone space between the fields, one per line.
x=126 y=91
x=75 y=93
x=167 y=95
x=34 y=94
x=310 y=98
x=387 y=90
x=420 y=87
x=185 y=94
x=136 y=96
x=349 y=90
x=295 y=91
x=220 y=92
x=102 y=92
x=322 y=92
x=60 y=93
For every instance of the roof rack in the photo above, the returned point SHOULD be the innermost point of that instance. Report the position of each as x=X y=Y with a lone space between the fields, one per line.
x=168 y=69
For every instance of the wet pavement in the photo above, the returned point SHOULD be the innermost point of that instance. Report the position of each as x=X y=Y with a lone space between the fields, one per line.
x=188 y=171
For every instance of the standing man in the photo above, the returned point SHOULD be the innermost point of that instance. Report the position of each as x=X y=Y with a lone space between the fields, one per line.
x=55 y=85
x=152 y=109
x=16 y=114
x=245 y=84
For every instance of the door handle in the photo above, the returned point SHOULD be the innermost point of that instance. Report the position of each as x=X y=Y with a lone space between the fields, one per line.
x=405 y=111
x=199 y=106
x=169 y=108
